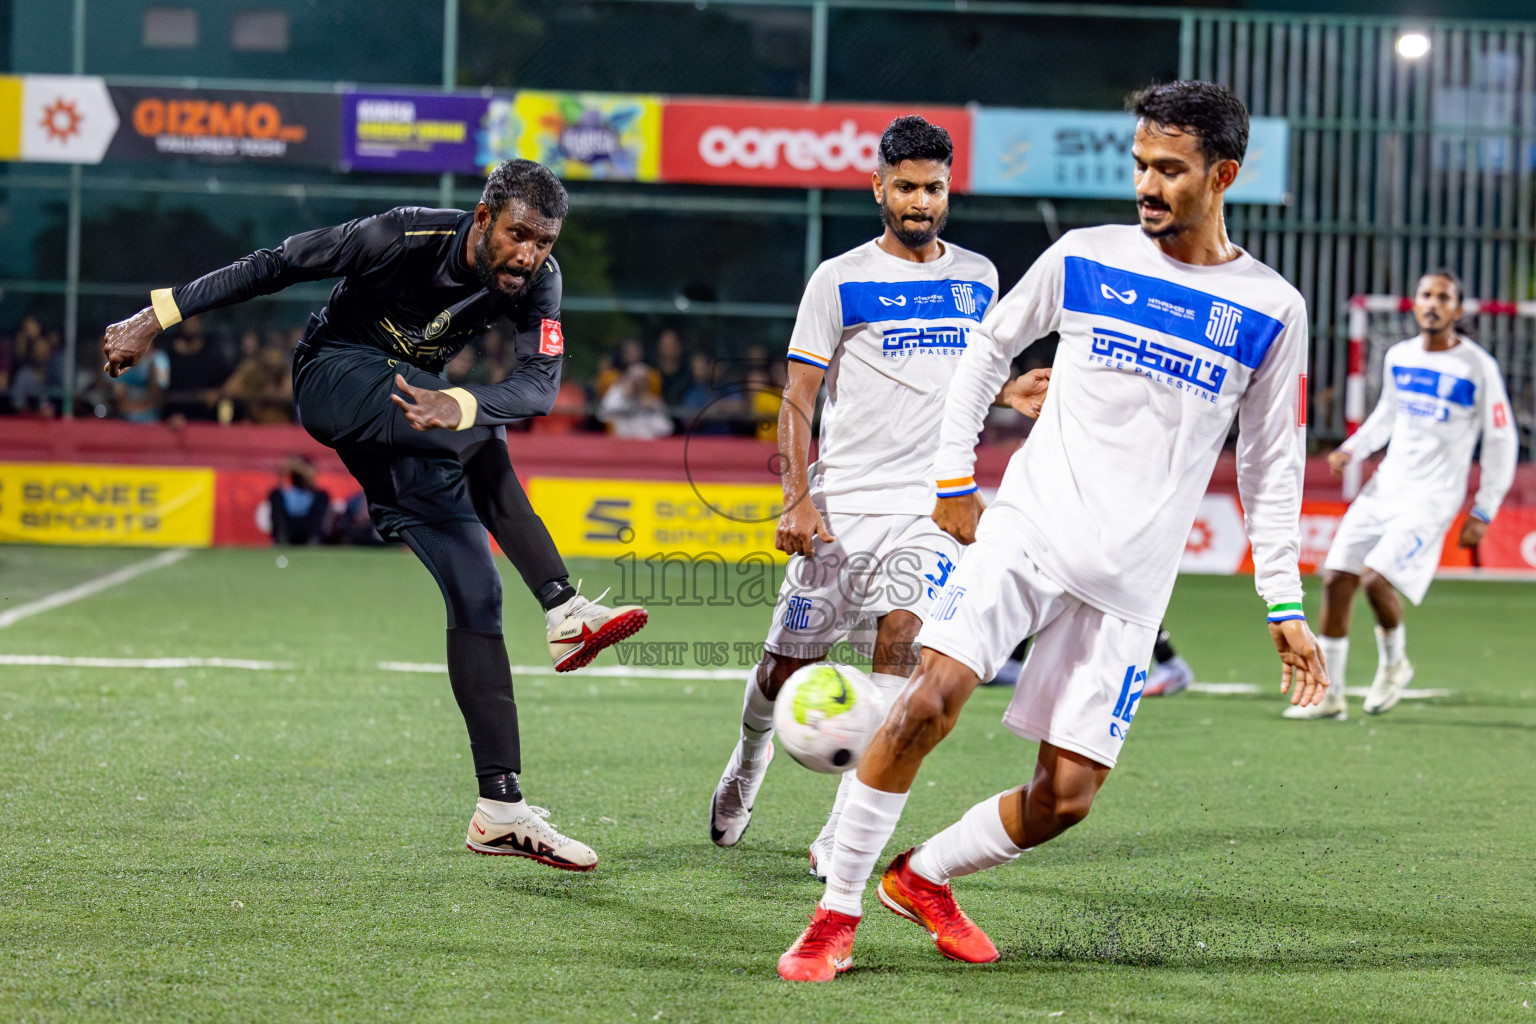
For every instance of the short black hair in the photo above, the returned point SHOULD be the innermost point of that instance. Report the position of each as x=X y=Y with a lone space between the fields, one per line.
x=526 y=182
x=1451 y=276
x=913 y=138
x=1203 y=109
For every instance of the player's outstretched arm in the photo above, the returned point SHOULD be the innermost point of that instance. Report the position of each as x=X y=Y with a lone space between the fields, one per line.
x=1303 y=674
x=427 y=409
x=800 y=524
x=128 y=341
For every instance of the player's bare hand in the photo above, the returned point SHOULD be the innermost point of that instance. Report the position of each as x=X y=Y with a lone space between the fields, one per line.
x=1302 y=672
x=800 y=524
x=958 y=516
x=127 y=341
x=427 y=409
x=1472 y=532
x=1337 y=460
x=1026 y=392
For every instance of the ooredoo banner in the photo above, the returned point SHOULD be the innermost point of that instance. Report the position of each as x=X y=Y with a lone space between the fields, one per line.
x=790 y=145
x=226 y=126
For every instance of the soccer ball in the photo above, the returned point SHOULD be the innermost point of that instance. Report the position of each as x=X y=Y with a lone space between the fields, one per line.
x=826 y=714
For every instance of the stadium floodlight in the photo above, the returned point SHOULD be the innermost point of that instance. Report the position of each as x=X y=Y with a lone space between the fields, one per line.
x=1412 y=45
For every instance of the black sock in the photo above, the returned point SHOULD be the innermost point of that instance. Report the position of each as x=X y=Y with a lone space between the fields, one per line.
x=1162 y=650
x=555 y=593
x=481 y=677
x=502 y=786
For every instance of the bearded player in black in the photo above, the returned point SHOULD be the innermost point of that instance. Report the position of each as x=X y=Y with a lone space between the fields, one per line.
x=417 y=285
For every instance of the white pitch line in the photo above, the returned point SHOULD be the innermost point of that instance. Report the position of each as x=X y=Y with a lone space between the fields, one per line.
x=91 y=587
x=54 y=659
x=1227 y=689
x=604 y=671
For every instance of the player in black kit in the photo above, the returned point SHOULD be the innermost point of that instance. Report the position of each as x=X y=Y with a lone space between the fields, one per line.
x=417 y=285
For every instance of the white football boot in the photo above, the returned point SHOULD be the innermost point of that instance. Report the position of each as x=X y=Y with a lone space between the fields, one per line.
x=580 y=629
x=1168 y=678
x=1387 y=688
x=1332 y=706
x=519 y=830
x=730 y=809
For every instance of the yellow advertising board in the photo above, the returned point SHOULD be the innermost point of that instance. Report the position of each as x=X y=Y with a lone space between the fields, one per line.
x=131 y=506
x=10 y=117
x=606 y=136
x=613 y=518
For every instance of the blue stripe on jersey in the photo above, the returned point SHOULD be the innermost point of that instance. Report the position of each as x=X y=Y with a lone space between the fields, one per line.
x=873 y=302
x=1207 y=320
x=1421 y=381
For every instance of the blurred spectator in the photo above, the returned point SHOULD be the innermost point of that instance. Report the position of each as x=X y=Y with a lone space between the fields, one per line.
x=39 y=375
x=299 y=507
x=764 y=398
x=631 y=409
x=137 y=394
x=198 y=365
x=261 y=388
x=353 y=524
x=629 y=353
x=460 y=368
x=672 y=366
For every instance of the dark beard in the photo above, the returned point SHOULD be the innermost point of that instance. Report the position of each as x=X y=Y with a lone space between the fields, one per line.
x=913 y=238
x=487 y=273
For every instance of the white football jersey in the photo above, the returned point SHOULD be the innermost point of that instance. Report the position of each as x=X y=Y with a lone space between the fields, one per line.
x=889 y=333
x=1156 y=358
x=1432 y=408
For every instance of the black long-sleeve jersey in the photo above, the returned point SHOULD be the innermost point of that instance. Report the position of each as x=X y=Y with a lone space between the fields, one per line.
x=406 y=290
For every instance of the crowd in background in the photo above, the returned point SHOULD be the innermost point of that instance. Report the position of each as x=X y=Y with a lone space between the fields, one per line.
x=640 y=390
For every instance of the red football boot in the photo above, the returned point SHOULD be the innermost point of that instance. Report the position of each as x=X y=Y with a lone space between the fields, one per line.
x=933 y=906
x=823 y=951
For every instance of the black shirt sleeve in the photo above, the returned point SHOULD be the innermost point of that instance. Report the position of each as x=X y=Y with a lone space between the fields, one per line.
x=530 y=389
x=369 y=244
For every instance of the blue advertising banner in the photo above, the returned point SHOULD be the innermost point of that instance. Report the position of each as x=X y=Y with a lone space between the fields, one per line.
x=1087 y=155
x=404 y=132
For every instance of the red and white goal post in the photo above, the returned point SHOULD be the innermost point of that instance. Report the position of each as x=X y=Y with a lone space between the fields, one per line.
x=1388 y=318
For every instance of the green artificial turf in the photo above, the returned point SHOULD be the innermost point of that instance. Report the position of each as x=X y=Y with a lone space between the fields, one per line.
x=208 y=844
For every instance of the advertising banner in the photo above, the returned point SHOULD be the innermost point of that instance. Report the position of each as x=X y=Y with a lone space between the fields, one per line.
x=412 y=132
x=645 y=518
x=63 y=119
x=592 y=136
x=132 y=506
x=226 y=126
x=790 y=145
x=1087 y=155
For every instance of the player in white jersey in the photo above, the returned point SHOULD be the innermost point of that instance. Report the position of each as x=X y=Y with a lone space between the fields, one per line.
x=883 y=325
x=1439 y=392
x=1167 y=332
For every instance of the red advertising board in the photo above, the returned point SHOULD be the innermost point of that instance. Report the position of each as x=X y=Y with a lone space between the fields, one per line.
x=791 y=145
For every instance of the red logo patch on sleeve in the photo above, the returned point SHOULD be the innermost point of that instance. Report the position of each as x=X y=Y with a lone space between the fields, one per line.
x=551 y=341
x=1301 y=401
x=1500 y=416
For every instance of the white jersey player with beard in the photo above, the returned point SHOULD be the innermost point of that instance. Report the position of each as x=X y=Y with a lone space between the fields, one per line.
x=883 y=326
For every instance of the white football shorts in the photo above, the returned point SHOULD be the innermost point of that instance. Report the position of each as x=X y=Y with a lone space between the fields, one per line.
x=1085 y=670
x=1398 y=543
x=878 y=564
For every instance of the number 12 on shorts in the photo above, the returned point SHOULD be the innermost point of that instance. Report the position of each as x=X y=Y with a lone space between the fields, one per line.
x=1125 y=707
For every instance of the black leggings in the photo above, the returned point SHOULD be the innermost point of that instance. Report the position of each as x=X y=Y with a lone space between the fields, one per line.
x=458 y=555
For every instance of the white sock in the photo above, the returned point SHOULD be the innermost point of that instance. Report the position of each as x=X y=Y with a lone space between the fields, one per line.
x=500 y=810
x=889 y=685
x=974 y=843
x=1335 y=651
x=756 y=723
x=868 y=820
x=1392 y=644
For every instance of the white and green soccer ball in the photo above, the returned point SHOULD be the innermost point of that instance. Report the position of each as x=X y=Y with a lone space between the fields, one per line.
x=825 y=716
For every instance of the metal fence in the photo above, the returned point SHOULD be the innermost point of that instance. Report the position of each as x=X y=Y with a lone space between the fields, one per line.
x=1397 y=165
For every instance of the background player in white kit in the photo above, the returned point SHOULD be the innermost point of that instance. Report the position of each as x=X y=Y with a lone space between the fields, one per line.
x=884 y=325
x=1167 y=333
x=1439 y=392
